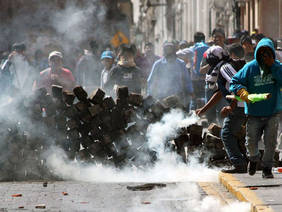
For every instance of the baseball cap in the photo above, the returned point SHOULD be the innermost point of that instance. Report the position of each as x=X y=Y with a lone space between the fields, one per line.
x=55 y=53
x=107 y=54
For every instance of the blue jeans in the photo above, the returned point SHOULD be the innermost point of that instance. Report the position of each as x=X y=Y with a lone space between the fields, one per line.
x=232 y=125
x=256 y=126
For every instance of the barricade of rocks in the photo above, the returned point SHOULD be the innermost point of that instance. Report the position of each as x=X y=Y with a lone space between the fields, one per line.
x=93 y=128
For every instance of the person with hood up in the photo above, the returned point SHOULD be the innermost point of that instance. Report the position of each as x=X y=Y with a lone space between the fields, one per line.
x=125 y=73
x=261 y=75
x=169 y=76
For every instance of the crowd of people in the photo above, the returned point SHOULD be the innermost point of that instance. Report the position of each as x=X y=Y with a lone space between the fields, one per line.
x=203 y=75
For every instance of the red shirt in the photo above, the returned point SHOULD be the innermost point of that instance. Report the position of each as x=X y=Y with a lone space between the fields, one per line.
x=64 y=78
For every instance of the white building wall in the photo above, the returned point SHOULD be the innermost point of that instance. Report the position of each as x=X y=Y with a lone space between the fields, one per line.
x=190 y=16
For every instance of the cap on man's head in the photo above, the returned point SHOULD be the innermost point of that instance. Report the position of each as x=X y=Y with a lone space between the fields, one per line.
x=107 y=54
x=55 y=54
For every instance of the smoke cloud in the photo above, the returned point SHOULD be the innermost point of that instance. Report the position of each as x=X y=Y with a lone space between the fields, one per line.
x=189 y=199
x=76 y=25
x=169 y=169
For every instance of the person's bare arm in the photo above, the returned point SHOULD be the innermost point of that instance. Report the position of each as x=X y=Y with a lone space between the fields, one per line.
x=213 y=100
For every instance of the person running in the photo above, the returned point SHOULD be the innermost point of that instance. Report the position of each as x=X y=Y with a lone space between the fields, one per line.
x=261 y=75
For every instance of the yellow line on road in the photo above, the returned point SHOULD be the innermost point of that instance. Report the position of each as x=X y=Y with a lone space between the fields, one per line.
x=242 y=193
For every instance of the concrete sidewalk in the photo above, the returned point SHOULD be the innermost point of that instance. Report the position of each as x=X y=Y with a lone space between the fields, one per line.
x=265 y=195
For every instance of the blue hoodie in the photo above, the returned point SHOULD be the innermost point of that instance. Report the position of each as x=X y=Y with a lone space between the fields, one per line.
x=250 y=78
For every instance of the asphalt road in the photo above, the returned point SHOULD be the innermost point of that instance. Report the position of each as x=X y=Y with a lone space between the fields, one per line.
x=112 y=197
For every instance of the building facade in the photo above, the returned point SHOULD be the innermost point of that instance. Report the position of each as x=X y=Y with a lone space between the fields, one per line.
x=160 y=20
x=264 y=15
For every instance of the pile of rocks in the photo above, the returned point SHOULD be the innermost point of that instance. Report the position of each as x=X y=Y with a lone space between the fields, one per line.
x=92 y=128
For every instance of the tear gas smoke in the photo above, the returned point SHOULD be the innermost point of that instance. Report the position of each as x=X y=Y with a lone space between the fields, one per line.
x=167 y=169
x=188 y=199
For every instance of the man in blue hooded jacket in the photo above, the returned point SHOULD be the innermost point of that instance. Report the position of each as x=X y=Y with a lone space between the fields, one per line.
x=261 y=75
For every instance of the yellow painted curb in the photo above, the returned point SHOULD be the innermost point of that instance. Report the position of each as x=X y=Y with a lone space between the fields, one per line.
x=239 y=190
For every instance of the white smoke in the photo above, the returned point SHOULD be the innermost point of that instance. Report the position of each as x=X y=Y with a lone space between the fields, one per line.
x=168 y=170
x=74 y=23
x=160 y=132
x=188 y=199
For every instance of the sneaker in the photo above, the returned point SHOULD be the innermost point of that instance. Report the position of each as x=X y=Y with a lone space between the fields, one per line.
x=236 y=169
x=267 y=173
x=252 y=168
